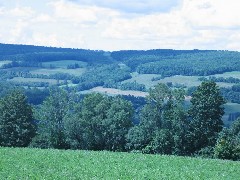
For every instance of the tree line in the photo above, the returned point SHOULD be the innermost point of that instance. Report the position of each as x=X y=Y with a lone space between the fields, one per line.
x=99 y=122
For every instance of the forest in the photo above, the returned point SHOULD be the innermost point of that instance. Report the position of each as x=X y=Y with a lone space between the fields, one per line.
x=99 y=122
x=58 y=110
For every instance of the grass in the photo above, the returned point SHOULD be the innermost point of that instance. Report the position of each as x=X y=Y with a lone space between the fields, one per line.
x=4 y=62
x=235 y=74
x=188 y=81
x=113 y=91
x=77 y=72
x=143 y=79
x=16 y=163
x=21 y=79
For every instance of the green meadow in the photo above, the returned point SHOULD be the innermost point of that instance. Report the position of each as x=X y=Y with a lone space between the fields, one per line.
x=25 y=163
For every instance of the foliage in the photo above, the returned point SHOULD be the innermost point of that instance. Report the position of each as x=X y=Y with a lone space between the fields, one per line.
x=107 y=76
x=51 y=116
x=16 y=120
x=232 y=94
x=201 y=64
x=162 y=123
x=27 y=54
x=228 y=144
x=206 y=113
x=101 y=123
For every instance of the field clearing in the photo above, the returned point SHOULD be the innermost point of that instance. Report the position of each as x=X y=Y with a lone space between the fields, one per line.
x=21 y=69
x=234 y=74
x=232 y=107
x=4 y=62
x=178 y=79
x=112 y=91
x=187 y=81
x=21 y=79
x=64 y=63
x=25 y=163
x=76 y=72
x=143 y=79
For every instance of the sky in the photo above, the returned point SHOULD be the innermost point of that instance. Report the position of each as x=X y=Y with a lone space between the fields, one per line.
x=122 y=24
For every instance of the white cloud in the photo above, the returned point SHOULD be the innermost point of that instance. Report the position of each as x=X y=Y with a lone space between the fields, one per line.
x=18 y=29
x=111 y=25
x=216 y=14
x=43 y=18
x=23 y=12
x=70 y=12
x=134 y=6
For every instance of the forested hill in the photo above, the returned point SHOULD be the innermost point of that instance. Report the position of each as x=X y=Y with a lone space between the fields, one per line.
x=16 y=52
x=44 y=54
x=166 y=62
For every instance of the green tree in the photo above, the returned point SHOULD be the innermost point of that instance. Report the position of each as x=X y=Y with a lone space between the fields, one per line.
x=17 y=127
x=117 y=124
x=93 y=111
x=103 y=123
x=51 y=115
x=206 y=116
x=163 y=116
x=228 y=143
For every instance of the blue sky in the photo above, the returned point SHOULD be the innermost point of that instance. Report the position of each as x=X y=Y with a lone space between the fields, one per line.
x=126 y=24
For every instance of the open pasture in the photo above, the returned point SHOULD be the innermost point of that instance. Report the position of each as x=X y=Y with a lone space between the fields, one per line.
x=4 y=62
x=21 y=79
x=25 y=163
x=143 y=79
x=44 y=71
x=234 y=74
x=187 y=81
x=112 y=91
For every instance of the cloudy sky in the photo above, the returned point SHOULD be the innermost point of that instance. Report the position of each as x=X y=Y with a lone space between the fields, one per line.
x=122 y=24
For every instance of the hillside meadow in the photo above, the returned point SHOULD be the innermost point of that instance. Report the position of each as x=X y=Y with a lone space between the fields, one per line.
x=26 y=163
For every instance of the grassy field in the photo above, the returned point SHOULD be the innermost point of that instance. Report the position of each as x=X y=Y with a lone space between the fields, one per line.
x=112 y=91
x=143 y=79
x=26 y=163
x=4 y=62
x=187 y=81
x=235 y=74
x=44 y=71
x=21 y=79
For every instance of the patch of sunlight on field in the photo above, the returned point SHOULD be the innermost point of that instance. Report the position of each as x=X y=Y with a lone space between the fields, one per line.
x=234 y=74
x=143 y=79
x=4 y=62
x=187 y=81
x=76 y=72
x=146 y=79
x=112 y=91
